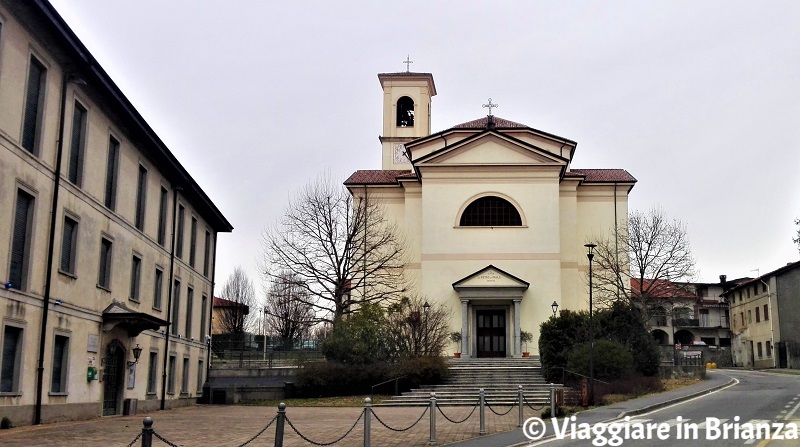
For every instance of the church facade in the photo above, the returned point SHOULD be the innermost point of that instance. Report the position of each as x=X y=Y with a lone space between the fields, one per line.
x=494 y=216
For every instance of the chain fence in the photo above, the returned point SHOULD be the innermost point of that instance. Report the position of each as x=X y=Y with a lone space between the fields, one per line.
x=281 y=419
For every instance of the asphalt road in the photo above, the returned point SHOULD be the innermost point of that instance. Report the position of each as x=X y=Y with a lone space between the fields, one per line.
x=757 y=398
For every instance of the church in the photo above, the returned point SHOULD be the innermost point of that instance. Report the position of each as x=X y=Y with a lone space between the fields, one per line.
x=494 y=215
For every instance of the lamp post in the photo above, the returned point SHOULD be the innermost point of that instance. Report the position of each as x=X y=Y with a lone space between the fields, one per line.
x=554 y=306
x=137 y=351
x=590 y=255
x=427 y=307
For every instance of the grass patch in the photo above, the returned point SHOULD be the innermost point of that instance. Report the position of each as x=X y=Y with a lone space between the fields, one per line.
x=340 y=401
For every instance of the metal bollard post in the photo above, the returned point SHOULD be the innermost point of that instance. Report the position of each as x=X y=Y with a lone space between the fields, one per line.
x=520 y=398
x=367 y=421
x=432 y=440
x=147 y=432
x=553 y=412
x=482 y=430
x=279 y=424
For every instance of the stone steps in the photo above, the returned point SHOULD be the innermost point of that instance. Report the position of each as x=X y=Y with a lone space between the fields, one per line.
x=499 y=378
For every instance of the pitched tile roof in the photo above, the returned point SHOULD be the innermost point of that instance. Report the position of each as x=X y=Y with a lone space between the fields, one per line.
x=661 y=288
x=602 y=175
x=405 y=73
x=222 y=302
x=378 y=177
x=482 y=123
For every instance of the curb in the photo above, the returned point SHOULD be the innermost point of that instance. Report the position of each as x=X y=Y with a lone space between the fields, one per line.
x=643 y=410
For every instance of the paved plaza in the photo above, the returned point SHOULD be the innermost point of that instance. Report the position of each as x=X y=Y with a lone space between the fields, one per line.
x=211 y=425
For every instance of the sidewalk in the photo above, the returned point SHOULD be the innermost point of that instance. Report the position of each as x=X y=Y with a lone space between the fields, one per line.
x=715 y=380
x=211 y=425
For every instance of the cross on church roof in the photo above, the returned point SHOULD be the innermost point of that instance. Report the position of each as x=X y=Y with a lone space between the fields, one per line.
x=490 y=106
x=408 y=63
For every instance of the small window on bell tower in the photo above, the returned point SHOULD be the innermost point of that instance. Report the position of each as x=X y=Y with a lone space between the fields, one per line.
x=405 y=112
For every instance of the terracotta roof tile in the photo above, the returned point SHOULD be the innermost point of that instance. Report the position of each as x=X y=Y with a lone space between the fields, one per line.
x=377 y=177
x=602 y=175
x=481 y=123
x=405 y=73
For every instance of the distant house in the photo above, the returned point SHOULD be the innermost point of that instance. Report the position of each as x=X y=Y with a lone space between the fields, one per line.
x=227 y=315
x=686 y=313
x=765 y=314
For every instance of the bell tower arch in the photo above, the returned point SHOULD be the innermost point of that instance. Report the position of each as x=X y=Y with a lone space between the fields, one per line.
x=406 y=114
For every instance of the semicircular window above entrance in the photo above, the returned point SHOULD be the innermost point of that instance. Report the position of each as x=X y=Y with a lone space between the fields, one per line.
x=490 y=211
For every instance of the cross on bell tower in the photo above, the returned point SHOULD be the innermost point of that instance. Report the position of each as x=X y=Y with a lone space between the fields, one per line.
x=408 y=63
x=490 y=106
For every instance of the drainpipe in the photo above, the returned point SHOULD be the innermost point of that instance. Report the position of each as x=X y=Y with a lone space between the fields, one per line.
x=211 y=313
x=169 y=296
x=67 y=79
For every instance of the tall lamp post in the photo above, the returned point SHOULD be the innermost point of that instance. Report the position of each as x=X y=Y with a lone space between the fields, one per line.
x=427 y=307
x=590 y=255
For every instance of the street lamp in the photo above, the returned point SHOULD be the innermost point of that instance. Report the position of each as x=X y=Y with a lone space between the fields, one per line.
x=137 y=351
x=554 y=306
x=427 y=307
x=590 y=255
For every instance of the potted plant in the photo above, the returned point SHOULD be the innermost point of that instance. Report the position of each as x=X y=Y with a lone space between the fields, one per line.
x=525 y=337
x=455 y=337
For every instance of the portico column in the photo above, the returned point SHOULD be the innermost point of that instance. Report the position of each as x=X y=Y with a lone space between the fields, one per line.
x=517 y=330
x=465 y=328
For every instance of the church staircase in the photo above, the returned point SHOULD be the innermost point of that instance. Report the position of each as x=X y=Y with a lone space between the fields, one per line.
x=499 y=377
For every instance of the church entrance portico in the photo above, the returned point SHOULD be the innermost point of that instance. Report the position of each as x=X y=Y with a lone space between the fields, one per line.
x=490 y=313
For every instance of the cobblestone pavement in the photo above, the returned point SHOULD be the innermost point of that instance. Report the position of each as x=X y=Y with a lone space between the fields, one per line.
x=205 y=425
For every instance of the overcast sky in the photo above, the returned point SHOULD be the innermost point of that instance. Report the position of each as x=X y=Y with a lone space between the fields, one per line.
x=700 y=101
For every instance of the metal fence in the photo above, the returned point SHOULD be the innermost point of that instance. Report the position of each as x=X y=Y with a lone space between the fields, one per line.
x=255 y=351
x=366 y=417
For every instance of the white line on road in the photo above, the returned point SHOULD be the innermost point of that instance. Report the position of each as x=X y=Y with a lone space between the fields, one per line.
x=792 y=412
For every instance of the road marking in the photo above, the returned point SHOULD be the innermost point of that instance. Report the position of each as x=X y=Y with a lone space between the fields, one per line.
x=735 y=382
x=702 y=425
x=791 y=412
x=788 y=405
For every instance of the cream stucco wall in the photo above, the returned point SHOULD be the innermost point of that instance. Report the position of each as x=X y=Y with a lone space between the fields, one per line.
x=77 y=302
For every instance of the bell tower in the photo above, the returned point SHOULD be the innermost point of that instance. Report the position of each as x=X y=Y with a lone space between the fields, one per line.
x=406 y=114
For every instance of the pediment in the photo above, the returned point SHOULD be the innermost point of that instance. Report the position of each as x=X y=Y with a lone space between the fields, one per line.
x=490 y=276
x=491 y=148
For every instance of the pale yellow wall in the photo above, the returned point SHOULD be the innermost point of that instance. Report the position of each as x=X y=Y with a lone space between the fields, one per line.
x=757 y=332
x=79 y=314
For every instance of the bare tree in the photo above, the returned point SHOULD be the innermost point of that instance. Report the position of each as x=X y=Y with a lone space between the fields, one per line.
x=417 y=330
x=650 y=256
x=341 y=249
x=236 y=316
x=796 y=239
x=286 y=311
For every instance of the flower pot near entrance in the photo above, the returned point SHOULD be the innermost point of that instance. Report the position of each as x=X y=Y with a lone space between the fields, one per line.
x=525 y=337
x=455 y=337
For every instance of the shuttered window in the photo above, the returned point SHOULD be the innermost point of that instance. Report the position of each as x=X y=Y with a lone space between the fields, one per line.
x=141 y=198
x=112 y=163
x=162 y=217
x=136 y=276
x=104 y=269
x=11 y=362
x=157 y=288
x=179 y=236
x=176 y=306
x=152 y=373
x=77 y=142
x=192 y=242
x=21 y=241
x=58 y=377
x=207 y=253
x=203 y=316
x=189 y=304
x=34 y=104
x=69 y=245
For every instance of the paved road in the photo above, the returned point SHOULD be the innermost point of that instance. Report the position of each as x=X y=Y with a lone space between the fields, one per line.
x=756 y=398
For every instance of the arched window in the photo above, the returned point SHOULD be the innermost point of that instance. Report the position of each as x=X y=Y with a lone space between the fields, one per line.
x=405 y=112
x=490 y=211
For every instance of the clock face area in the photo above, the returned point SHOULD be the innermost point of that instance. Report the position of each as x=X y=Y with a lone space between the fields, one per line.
x=400 y=154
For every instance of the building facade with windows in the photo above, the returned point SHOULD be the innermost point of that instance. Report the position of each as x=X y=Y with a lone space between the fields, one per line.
x=765 y=315
x=494 y=215
x=110 y=243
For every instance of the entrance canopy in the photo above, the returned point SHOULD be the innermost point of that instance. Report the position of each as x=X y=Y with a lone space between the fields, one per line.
x=490 y=283
x=119 y=315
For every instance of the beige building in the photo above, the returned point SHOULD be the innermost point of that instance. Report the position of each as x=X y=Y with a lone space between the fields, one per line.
x=494 y=214
x=114 y=251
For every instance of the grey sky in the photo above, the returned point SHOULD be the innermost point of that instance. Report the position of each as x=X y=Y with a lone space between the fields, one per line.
x=700 y=101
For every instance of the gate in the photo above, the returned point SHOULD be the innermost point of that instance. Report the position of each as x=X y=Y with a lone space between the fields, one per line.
x=113 y=377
